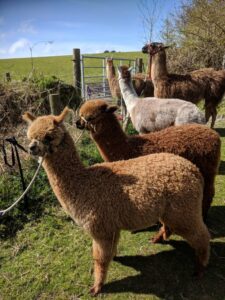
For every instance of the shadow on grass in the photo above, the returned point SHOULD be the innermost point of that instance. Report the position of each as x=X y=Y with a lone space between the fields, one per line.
x=222 y=168
x=221 y=131
x=216 y=222
x=168 y=274
x=12 y=222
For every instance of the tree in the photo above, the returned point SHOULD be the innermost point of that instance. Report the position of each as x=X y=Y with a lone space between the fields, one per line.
x=198 y=29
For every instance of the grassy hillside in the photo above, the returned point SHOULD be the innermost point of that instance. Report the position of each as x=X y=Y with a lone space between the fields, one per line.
x=59 y=66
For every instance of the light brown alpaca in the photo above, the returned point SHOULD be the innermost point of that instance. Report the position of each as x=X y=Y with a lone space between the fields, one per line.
x=124 y=195
x=197 y=143
x=142 y=86
x=207 y=84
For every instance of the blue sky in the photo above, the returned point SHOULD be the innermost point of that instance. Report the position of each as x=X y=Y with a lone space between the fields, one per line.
x=55 y=27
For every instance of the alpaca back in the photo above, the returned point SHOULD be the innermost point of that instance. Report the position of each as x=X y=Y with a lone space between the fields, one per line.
x=143 y=188
x=184 y=87
x=153 y=114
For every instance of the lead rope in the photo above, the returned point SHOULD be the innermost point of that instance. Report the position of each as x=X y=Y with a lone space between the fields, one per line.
x=15 y=156
x=40 y=161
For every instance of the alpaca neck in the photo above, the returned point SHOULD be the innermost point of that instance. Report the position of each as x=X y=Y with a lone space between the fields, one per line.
x=128 y=92
x=159 y=68
x=110 y=72
x=110 y=139
x=63 y=168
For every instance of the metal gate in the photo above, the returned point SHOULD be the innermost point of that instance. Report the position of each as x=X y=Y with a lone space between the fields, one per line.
x=94 y=82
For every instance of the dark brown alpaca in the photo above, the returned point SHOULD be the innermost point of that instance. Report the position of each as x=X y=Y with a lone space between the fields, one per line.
x=206 y=83
x=142 y=87
x=197 y=143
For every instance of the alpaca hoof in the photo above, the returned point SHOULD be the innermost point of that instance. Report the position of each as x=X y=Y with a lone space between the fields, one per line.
x=95 y=290
x=158 y=239
x=199 y=272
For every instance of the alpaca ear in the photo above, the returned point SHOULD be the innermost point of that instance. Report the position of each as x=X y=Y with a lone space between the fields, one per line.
x=111 y=109
x=28 y=117
x=130 y=69
x=60 y=118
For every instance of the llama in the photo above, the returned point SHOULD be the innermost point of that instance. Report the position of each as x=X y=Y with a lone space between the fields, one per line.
x=142 y=86
x=197 y=143
x=206 y=83
x=125 y=195
x=153 y=114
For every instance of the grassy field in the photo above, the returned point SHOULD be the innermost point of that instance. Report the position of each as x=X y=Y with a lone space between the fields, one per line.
x=59 y=66
x=44 y=255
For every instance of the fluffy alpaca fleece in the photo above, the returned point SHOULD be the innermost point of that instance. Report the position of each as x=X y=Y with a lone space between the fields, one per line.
x=153 y=114
x=143 y=86
x=123 y=195
x=207 y=83
x=198 y=143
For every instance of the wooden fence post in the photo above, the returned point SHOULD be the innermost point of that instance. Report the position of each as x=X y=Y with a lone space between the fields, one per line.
x=139 y=65
x=77 y=70
x=55 y=104
x=8 y=76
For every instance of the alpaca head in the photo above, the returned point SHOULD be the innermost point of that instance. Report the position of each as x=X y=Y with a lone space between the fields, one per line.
x=109 y=61
x=124 y=73
x=91 y=114
x=154 y=48
x=45 y=133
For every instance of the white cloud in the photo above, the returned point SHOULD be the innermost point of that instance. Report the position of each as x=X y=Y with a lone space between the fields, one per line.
x=20 y=44
x=27 y=27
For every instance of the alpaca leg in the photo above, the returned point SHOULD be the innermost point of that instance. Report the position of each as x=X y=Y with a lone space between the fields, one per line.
x=214 y=114
x=208 y=194
x=103 y=252
x=163 y=235
x=207 y=113
x=198 y=238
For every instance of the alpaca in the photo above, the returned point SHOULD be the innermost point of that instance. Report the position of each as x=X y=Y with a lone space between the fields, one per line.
x=142 y=86
x=153 y=114
x=197 y=143
x=206 y=83
x=125 y=195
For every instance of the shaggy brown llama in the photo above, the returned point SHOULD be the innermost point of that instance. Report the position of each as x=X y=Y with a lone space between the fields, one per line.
x=124 y=195
x=198 y=143
x=207 y=83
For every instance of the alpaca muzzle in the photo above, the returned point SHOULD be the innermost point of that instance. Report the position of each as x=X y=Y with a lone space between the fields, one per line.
x=80 y=124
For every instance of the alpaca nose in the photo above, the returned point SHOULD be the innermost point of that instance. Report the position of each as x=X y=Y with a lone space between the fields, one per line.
x=79 y=125
x=33 y=148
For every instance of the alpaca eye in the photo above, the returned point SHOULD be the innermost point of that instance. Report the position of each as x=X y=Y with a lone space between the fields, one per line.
x=89 y=119
x=48 y=139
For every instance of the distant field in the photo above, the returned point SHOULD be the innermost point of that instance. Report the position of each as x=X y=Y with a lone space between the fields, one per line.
x=59 y=66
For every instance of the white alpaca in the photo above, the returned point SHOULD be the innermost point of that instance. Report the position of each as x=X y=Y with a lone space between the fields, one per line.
x=153 y=114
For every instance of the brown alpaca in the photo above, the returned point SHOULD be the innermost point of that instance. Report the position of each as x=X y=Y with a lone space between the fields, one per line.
x=142 y=86
x=125 y=195
x=197 y=143
x=206 y=83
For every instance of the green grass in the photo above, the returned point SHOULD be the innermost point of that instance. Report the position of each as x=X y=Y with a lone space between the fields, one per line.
x=44 y=255
x=59 y=66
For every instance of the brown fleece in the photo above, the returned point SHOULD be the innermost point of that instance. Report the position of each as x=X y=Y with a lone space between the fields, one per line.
x=198 y=143
x=206 y=83
x=123 y=195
